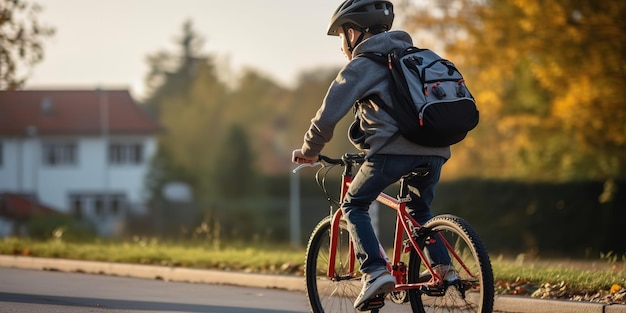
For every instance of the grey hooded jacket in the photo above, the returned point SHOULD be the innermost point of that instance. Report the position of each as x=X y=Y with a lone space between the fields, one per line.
x=358 y=79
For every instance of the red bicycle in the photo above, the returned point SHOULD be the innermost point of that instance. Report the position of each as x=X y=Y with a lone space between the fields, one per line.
x=331 y=269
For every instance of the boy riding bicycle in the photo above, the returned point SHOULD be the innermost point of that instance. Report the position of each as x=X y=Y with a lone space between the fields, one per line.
x=364 y=26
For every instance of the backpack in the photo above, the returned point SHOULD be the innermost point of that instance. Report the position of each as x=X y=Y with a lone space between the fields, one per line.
x=431 y=104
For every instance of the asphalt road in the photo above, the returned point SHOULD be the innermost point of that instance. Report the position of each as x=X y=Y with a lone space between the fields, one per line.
x=44 y=291
x=54 y=291
x=29 y=284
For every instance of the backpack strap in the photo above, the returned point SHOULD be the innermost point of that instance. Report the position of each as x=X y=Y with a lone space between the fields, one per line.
x=379 y=101
x=376 y=99
x=382 y=59
x=385 y=60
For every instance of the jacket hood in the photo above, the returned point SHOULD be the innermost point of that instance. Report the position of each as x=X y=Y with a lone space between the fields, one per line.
x=384 y=42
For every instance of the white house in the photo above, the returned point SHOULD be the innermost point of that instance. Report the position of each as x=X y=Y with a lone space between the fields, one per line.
x=81 y=152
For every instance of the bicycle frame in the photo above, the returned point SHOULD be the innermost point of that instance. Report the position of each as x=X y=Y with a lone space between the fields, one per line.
x=404 y=223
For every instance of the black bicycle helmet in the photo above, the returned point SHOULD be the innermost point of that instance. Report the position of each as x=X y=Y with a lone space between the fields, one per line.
x=362 y=13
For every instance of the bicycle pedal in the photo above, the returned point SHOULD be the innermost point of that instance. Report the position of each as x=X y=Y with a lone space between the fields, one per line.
x=373 y=303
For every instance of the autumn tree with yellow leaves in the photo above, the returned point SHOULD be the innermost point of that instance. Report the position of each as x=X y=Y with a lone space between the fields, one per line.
x=549 y=78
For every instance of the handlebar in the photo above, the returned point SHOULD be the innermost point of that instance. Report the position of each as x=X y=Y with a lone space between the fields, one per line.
x=346 y=159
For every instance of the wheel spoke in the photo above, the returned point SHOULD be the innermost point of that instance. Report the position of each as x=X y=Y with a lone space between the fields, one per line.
x=473 y=291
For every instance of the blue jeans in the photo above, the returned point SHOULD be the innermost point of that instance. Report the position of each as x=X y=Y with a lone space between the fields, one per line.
x=376 y=174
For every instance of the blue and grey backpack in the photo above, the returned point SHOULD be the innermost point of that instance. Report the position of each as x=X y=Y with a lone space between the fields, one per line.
x=431 y=103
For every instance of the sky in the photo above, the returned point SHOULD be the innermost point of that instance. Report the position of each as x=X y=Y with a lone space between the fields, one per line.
x=105 y=43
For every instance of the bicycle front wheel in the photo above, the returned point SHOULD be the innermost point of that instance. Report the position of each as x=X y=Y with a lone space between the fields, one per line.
x=330 y=294
x=473 y=292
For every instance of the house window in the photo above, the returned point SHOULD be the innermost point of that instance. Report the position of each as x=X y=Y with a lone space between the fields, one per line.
x=96 y=205
x=125 y=154
x=56 y=154
x=115 y=204
x=4 y=209
x=77 y=206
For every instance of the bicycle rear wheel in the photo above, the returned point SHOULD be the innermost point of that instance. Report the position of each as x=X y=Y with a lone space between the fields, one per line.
x=474 y=291
x=327 y=295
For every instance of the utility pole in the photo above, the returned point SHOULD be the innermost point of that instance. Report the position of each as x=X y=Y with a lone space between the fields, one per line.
x=294 y=209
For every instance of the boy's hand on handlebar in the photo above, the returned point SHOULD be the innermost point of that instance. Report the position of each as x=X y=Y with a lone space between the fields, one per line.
x=299 y=158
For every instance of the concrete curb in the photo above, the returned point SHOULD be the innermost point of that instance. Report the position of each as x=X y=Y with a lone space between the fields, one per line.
x=505 y=304
x=166 y=273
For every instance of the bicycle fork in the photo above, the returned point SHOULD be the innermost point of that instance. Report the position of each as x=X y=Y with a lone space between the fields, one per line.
x=346 y=180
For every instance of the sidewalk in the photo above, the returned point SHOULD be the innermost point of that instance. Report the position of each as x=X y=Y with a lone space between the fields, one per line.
x=506 y=304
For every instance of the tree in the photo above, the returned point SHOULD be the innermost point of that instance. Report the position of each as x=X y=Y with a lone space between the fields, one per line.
x=186 y=96
x=195 y=124
x=548 y=77
x=259 y=106
x=21 y=41
x=171 y=74
x=308 y=96
x=234 y=166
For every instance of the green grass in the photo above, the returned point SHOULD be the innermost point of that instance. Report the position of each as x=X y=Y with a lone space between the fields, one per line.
x=599 y=279
x=560 y=278
x=238 y=257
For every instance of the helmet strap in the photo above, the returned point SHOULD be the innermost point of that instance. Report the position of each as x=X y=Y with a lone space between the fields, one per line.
x=347 y=37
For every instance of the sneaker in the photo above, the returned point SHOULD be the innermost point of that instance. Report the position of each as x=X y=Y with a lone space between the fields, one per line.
x=374 y=284
x=446 y=272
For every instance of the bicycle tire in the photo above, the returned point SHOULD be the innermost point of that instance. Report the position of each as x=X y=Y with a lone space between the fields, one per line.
x=323 y=294
x=467 y=295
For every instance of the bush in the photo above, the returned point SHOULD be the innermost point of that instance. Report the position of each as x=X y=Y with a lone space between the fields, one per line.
x=60 y=227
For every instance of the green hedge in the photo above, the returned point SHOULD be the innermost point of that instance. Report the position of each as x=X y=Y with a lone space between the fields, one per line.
x=545 y=218
x=549 y=219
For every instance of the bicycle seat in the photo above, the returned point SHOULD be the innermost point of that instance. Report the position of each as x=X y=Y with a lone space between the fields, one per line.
x=418 y=172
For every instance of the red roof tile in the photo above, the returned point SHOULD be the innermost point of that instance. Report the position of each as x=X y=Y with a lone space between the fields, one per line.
x=72 y=112
x=20 y=206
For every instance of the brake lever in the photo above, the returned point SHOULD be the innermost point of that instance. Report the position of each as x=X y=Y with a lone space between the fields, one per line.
x=301 y=166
